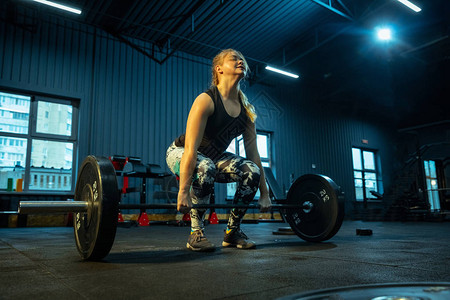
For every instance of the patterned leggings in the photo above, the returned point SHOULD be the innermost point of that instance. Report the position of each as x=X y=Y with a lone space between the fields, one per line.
x=227 y=168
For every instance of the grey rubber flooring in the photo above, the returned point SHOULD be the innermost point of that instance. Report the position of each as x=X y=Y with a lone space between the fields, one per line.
x=153 y=263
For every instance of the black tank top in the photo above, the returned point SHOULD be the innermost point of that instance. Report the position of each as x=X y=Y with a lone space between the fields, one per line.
x=220 y=128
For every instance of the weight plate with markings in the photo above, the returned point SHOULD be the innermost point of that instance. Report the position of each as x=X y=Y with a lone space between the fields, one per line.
x=95 y=229
x=322 y=217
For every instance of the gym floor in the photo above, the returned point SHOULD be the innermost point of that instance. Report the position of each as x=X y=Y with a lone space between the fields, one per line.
x=153 y=263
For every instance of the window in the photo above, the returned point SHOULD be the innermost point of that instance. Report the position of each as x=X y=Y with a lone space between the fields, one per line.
x=237 y=147
x=37 y=142
x=432 y=184
x=365 y=174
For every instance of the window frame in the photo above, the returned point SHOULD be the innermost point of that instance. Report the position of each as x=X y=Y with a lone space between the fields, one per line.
x=269 y=147
x=33 y=135
x=363 y=171
x=267 y=160
x=432 y=193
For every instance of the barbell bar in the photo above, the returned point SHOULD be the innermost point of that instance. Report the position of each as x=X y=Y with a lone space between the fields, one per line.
x=35 y=207
x=314 y=207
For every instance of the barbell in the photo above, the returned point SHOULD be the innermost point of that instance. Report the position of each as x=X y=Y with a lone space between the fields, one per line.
x=314 y=207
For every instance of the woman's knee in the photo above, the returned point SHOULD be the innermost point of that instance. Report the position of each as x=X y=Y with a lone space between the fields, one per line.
x=173 y=158
x=204 y=177
x=251 y=173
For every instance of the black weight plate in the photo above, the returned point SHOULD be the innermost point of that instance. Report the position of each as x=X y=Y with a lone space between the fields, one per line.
x=324 y=219
x=386 y=291
x=95 y=229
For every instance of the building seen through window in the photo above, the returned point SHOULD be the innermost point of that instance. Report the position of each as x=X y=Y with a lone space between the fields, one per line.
x=43 y=131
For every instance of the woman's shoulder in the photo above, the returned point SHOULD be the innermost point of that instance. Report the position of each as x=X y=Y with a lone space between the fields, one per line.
x=205 y=102
x=212 y=92
x=204 y=97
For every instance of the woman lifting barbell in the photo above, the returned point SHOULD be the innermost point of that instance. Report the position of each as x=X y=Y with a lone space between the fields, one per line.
x=199 y=156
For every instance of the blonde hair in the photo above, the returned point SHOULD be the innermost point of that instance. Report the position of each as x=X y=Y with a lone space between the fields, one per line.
x=218 y=60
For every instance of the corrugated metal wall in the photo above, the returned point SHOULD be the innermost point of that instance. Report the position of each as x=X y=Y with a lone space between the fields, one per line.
x=139 y=106
x=133 y=106
x=129 y=103
x=306 y=133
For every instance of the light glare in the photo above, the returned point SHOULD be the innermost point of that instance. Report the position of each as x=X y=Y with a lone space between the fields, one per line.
x=60 y=6
x=384 y=34
x=410 y=5
x=281 y=72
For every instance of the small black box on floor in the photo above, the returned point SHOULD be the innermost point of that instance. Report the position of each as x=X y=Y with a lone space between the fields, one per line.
x=365 y=232
x=284 y=231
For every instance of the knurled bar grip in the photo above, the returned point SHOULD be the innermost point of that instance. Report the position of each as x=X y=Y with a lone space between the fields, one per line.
x=29 y=207
x=217 y=206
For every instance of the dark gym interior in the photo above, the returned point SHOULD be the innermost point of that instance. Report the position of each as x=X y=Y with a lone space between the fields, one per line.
x=369 y=109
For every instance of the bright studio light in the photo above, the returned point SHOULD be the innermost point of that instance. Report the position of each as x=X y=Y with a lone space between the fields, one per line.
x=281 y=72
x=410 y=5
x=384 y=34
x=60 y=6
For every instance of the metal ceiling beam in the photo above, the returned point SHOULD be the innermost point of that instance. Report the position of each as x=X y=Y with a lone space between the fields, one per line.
x=336 y=11
x=152 y=22
x=320 y=44
x=428 y=44
x=205 y=20
x=182 y=21
x=134 y=46
x=97 y=11
x=345 y=7
x=123 y=21
x=335 y=35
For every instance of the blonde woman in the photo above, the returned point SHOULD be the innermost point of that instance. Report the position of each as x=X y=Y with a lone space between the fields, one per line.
x=198 y=156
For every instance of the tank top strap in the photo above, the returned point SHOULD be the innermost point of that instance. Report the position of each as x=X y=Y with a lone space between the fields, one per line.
x=213 y=92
